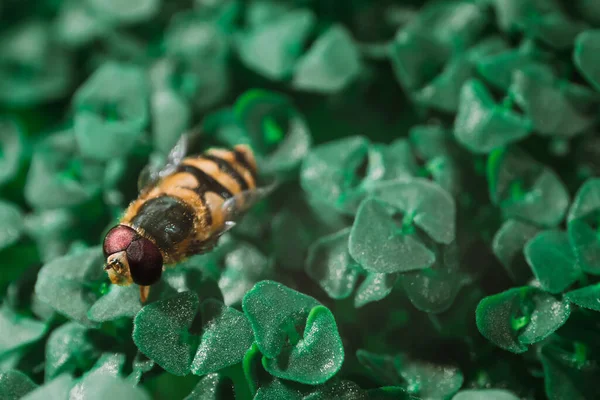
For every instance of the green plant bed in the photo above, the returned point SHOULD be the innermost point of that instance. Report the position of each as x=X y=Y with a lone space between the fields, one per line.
x=435 y=230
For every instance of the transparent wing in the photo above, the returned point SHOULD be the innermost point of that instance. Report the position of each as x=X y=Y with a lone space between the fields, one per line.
x=154 y=171
x=235 y=207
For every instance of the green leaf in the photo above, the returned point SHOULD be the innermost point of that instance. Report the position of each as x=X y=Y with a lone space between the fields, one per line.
x=273 y=48
x=71 y=284
x=124 y=12
x=380 y=367
x=586 y=297
x=525 y=189
x=393 y=161
x=482 y=126
x=275 y=312
x=17 y=331
x=316 y=357
x=162 y=332
x=434 y=289
x=569 y=373
x=424 y=204
x=109 y=365
x=170 y=115
x=582 y=226
x=275 y=129
x=329 y=173
x=379 y=246
x=329 y=264
x=485 y=394
x=34 y=70
x=244 y=267
x=585 y=56
x=57 y=388
x=54 y=179
x=111 y=111
x=141 y=364
x=416 y=57
x=225 y=339
x=375 y=287
x=429 y=381
x=539 y=93
x=330 y=65
x=519 y=317
x=298 y=337
x=498 y=69
x=14 y=385
x=543 y=21
x=11 y=149
x=338 y=390
x=430 y=141
x=69 y=349
x=551 y=258
x=276 y=390
x=423 y=379
x=119 y=302
x=292 y=236
x=211 y=387
x=11 y=224
x=508 y=245
x=100 y=386
x=443 y=92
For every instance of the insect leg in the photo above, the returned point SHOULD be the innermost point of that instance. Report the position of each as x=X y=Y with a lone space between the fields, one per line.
x=144 y=293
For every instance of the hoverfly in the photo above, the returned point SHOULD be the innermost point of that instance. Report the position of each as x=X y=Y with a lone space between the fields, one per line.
x=181 y=211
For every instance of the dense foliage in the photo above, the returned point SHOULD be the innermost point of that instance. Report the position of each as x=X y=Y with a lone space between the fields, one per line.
x=436 y=229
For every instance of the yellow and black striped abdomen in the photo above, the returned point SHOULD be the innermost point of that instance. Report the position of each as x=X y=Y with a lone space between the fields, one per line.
x=184 y=210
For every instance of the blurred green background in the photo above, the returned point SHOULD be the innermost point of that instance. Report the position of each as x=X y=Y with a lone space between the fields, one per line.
x=435 y=233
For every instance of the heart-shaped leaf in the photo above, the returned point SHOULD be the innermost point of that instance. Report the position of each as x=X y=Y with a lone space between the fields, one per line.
x=330 y=265
x=57 y=388
x=525 y=189
x=521 y=316
x=72 y=284
x=17 y=331
x=586 y=297
x=508 y=246
x=424 y=204
x=11 y=143
x=297 y=336
x=587 y=46
x=485 y=394
x=331 y=64
x=69 y=349
x=119 y=302
x=275 y=312
x=482 y=126
x=434 y=289
x=379 y=246
x=111 y=110
x=244 y=267
x=316 y=357
x=329 y=172
x=375 y=287
x=551 y=258
x=14 y=385
x=273 y=48
x=162 y=332
x=569 y=373
x=225 y=339
x=583 y=219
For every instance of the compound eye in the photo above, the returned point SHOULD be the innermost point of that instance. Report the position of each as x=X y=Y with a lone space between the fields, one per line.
x=118 y=239
x=145 y=262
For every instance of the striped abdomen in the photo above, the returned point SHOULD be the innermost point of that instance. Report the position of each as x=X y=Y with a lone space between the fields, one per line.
x=183 y=211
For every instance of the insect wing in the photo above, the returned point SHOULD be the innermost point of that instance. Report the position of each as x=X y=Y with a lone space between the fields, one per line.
x=153 y=172
x=234 y=208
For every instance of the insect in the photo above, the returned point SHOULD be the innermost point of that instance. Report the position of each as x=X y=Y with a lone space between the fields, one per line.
x=181 y=211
